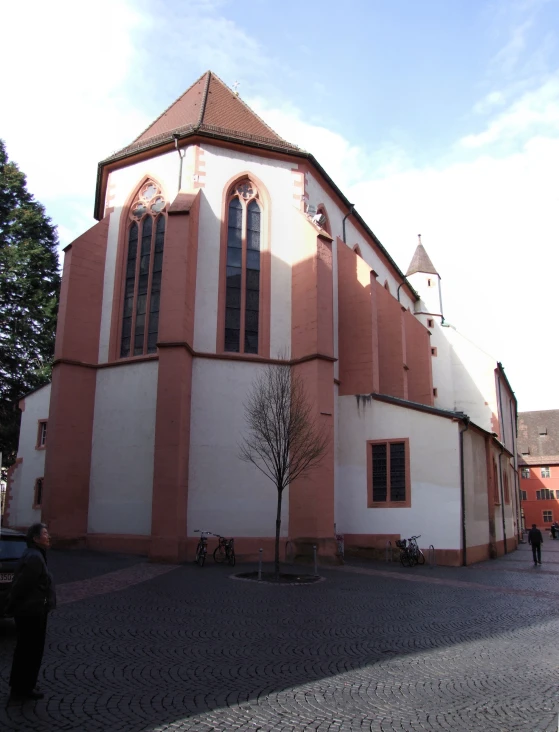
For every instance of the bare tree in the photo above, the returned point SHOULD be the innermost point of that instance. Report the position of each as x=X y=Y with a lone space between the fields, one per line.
x=284 y=439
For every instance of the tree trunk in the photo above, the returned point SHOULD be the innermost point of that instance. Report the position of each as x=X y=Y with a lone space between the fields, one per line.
x=278 y=525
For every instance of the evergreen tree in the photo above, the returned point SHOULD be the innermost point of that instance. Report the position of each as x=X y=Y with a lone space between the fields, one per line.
x=29 y=288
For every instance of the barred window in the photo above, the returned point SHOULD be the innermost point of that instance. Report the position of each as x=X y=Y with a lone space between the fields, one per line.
x=388 y=473
x=144 y=265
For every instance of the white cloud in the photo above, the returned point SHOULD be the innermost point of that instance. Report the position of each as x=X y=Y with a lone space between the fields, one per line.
x=535 y=111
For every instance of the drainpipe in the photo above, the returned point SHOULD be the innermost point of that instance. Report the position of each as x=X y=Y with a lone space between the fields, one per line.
x=502 y=501
x=351 y=205
x=181 y=156
x=463 y=490
x=398 y=291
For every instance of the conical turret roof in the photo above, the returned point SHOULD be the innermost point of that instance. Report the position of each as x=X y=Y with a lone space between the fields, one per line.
x=421 y=262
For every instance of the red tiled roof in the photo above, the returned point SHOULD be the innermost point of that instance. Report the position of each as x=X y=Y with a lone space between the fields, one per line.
x=538 y=435
x=208 y=105
x=538 y=459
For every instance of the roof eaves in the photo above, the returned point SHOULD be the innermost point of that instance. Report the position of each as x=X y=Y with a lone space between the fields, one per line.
x=447 y=413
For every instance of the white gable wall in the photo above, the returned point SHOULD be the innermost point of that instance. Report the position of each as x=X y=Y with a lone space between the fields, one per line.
x=32 y=467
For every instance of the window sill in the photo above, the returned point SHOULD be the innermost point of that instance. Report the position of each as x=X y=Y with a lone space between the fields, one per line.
x=389 y=504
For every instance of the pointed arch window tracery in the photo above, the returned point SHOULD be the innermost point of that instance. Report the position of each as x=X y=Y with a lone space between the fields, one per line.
x=243 y=269
x=144 y=265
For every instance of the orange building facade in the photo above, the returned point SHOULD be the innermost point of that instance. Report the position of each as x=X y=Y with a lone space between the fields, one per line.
x=538 y=466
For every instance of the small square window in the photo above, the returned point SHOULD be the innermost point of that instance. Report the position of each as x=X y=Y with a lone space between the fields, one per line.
x=430 y=323
x=433 y=351
x=42 y=434
x=435 y=392
x=545 y=472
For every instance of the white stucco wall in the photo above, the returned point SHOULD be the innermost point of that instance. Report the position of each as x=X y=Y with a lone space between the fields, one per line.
x=121 y=482
x=22 y=512
x=226 y=495
x=221 y=166
x=475 y=489
x=434 y=468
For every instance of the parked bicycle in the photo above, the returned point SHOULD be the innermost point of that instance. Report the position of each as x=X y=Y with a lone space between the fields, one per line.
x=202 y=548
x=225 y=550
x=410 y=553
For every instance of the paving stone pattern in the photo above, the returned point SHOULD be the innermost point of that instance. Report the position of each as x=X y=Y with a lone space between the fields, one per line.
x=142 y=647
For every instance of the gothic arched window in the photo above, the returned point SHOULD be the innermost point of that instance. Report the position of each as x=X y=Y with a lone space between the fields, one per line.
x=142 y=278
x=243 y=270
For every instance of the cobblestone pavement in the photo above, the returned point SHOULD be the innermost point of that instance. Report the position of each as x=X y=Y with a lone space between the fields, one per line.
x=136 y=647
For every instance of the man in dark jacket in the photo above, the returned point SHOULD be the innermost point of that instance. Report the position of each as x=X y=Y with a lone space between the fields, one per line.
x=32 y=597
x=535 y=538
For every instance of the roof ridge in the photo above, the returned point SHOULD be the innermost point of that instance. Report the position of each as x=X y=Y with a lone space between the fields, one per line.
x=250 y=109
x=164 y=112
x=204 y=100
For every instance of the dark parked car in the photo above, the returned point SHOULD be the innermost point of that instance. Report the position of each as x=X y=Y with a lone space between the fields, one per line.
x=12 y=546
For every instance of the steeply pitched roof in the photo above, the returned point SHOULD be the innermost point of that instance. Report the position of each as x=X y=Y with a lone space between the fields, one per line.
x=421 y=262
x=538 y=435
x=208 y=105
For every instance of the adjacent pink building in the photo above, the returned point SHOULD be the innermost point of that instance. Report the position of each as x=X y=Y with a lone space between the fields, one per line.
x=538 y=447
x=221 y=248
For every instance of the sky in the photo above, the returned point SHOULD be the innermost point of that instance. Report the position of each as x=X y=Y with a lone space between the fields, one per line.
x=435 y=117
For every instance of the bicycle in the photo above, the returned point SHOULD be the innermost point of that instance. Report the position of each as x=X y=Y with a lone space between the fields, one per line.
x=202 y=548
x=410 y=553
x=225 y=550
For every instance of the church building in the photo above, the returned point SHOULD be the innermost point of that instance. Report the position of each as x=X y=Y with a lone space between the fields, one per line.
x=221 y=248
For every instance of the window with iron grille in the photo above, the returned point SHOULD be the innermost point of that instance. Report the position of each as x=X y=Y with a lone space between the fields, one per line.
x=388 y=473
x=143 y=270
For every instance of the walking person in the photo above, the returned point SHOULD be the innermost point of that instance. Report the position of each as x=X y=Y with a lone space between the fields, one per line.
x=535 y=539
x=32 y=596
